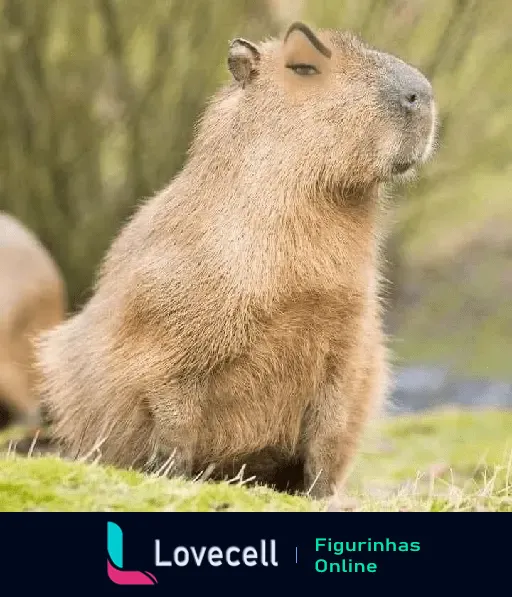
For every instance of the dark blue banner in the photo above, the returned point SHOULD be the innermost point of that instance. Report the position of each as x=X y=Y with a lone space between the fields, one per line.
x=241 y=553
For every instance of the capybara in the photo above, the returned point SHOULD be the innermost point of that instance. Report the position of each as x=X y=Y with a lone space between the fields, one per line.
x=32 y=300
x=236 y=318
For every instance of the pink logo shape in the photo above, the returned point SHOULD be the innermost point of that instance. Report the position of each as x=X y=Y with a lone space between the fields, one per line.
x=129 y=577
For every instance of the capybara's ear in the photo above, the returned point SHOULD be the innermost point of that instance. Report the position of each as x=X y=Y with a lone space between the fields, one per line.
x=243 y=60
x=302 y=49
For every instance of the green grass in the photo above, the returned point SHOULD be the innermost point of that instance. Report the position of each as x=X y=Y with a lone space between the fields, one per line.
x=440 y=461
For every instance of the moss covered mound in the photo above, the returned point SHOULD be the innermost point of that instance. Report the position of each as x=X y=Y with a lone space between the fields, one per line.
x=439 y=461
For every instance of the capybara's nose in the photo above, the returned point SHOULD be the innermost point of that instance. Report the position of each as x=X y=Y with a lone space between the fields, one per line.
x=415 y=95
x=406 y=86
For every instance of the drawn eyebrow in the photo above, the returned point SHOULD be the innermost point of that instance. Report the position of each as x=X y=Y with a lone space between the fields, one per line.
x=311 y=36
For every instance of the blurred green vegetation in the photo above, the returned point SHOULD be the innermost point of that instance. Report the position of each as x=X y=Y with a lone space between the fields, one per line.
x=99 y=98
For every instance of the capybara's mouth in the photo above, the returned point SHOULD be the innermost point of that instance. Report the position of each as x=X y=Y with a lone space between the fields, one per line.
x=403 y=167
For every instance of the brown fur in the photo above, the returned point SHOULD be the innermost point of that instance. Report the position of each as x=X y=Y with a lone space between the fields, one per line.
x=236 y=318
x=31 y=301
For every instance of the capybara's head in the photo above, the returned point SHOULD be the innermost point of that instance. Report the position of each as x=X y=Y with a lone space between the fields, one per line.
x=347 y=113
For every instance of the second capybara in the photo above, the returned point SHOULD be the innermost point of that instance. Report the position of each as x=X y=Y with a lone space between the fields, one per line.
x=32 y=300
x=236 y=318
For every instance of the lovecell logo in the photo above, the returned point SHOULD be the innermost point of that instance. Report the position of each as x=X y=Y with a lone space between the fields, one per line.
x=115 y=561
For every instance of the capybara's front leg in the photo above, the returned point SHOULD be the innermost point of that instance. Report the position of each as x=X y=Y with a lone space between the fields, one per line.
x=328 y=457
x=338 y=419
x=334 y=432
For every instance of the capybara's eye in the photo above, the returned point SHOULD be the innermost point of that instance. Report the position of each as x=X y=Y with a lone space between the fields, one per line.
x=303 y=70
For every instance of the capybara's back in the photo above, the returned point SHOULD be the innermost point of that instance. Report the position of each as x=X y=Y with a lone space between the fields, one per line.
x=32 y=300
x=236 y=319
